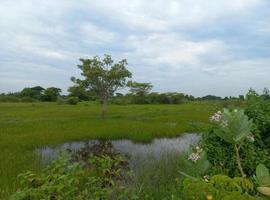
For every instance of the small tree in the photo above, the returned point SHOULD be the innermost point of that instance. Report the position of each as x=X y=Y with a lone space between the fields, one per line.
x=103 y=77
x=139 y=89
x=51 y=94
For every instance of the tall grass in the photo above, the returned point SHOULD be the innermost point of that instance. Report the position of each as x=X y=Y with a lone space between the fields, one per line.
x=26 y=126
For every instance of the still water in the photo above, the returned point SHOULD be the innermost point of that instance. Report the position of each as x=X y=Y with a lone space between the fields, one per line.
x=136 y=152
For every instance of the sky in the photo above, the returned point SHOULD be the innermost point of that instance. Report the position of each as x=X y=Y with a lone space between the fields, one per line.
x=199 y=47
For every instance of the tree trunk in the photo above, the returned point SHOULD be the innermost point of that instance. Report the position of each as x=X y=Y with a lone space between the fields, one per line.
x=238 y=160
x=104 y=107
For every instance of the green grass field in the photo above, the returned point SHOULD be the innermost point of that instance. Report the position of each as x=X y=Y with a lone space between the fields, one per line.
x=24 y=127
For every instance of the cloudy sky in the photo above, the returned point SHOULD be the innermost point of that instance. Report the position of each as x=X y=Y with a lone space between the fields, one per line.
x=199 y=47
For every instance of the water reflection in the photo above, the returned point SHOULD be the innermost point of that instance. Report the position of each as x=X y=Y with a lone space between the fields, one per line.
x=137 y=152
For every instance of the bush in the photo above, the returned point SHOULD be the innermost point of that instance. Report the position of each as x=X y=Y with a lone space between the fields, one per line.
x=9 y=99
x=222 y=157
x=219 y=187
x=64 y=180
x=73 y=100
x=258 y=109
x=232 y=129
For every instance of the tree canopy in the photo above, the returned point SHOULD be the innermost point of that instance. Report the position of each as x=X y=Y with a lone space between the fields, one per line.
x=103 y=76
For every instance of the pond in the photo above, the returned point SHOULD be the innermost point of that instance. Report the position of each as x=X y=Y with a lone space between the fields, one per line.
x=137 y=153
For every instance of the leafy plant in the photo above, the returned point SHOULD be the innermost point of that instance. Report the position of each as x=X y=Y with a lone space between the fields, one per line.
x=195 y=163
x=64 y=180
x=263 y=179
x=233 y=127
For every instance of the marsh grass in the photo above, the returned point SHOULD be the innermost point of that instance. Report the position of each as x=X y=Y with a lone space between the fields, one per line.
x=26 y=126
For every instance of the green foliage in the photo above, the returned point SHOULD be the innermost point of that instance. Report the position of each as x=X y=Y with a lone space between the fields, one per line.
x=194 y=163
x=34 y=92
x=220 y=187
x=262 y=175
x=80 y=92
x=221 y=155
x=63 y=180
x=51 y=94
x=73 y=100
x=103 y=77
x=258 y=109
x=234 y=126
x=139 y=89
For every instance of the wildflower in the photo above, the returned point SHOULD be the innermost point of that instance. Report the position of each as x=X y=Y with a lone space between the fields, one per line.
x=216 y=117
x=235 y=110
x=194 y=157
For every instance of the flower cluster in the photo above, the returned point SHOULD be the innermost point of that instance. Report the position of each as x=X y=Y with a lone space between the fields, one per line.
x=216 y=117
x=195 y=156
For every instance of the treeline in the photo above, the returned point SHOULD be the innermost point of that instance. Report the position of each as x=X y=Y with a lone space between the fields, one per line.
x=31 y=94
x=139 y=93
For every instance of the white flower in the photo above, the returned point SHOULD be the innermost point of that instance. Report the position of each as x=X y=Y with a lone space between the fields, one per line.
x=216 y=117
x=194 y=157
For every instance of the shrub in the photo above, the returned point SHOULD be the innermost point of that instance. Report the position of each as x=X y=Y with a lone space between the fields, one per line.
x=219 y=187
x=73 y=100
x=222 y=157
x=231 y=135
x=64 y=180
x=9 y=99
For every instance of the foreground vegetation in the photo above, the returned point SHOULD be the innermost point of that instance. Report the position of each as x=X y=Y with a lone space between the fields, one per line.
x=26 y=126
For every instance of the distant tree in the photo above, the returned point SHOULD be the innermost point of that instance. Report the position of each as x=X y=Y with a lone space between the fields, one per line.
x=139 y=91
x=241 y=97
x=211 y=97
x=266 y=94
x=153 y=98
x=51 y=94
x=34 y=92
x=103 y=76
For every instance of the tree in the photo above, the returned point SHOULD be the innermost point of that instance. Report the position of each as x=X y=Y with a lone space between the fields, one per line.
x=51 y=94
x=103 y=76
x=139 y=91
x=80 y=92
x=34 y=92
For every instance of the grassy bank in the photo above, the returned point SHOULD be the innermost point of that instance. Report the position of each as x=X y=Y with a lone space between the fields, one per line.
x=24 y=127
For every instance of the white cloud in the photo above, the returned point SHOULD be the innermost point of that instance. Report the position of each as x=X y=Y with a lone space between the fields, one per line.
x=155 y=37
x=94 y=34
x=175 y=51
x=160 y=15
